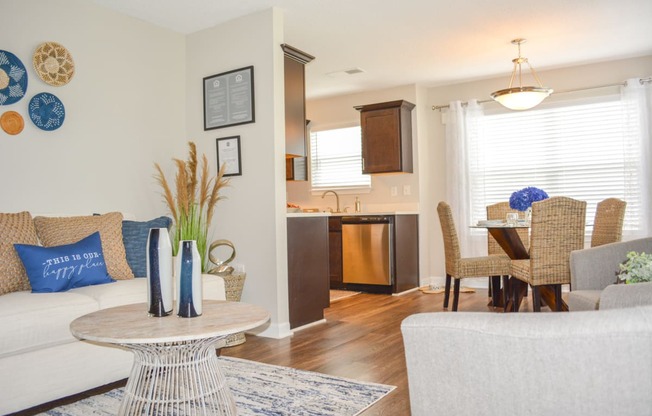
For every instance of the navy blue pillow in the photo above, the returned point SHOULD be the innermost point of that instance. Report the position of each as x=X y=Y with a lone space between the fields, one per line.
x=134 y=237
x=60 y=268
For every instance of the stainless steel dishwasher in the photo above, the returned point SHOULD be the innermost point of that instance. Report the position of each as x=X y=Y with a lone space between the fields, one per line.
x=367 y=250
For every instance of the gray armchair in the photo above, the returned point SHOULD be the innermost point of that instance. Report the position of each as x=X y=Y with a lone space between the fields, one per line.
x=594 y=269
x=582 y=363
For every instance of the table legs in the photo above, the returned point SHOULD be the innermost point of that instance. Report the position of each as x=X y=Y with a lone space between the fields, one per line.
x=179 y=378
x=543 y=295
x=496 y=292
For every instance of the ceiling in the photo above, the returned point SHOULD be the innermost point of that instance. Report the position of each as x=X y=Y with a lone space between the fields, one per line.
x=427 y=42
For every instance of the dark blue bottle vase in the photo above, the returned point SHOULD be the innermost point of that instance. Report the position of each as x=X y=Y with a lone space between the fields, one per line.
x=160 y=284
x=189 y=280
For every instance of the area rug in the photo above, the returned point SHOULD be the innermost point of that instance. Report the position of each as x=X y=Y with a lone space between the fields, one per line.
x=263 y=389
x=336 y=295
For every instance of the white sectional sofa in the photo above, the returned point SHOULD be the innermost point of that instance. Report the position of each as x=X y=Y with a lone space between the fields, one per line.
x=41 y=361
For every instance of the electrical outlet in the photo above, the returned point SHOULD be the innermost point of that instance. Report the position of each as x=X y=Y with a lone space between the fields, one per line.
x=393 y=191
x=406 y=190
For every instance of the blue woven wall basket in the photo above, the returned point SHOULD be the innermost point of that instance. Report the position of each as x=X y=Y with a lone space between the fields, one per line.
x=13 y=78
x=46 y=111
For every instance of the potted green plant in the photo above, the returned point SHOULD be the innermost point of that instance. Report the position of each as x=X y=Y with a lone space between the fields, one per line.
x=637 y=268
x=192 y=204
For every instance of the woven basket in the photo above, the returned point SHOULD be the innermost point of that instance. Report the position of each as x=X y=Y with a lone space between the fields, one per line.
x=233 y=285
x=53 y=63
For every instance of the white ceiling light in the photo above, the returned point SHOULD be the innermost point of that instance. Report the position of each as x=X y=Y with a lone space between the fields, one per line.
x=521 y=98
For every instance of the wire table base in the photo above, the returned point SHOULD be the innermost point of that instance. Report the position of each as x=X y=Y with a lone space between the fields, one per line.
x=177 y=378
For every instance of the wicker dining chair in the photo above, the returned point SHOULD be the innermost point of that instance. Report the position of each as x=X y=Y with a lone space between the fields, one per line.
x=498 y=211
x=608 y=223
x=458 y=267
x=557 y=228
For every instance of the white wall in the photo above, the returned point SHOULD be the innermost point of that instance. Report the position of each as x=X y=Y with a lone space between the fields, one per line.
x=125 y=109
x=136 y=99
x=559 y=79
x=253 y=215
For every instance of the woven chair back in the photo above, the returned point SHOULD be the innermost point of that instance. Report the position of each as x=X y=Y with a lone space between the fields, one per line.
x=498 y=211
x=557 y=229
x=608 y=223
x=451 y=241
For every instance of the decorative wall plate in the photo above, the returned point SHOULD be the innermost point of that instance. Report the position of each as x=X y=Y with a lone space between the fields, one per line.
x=53 y=64
x=13 y=78
x=46 y=111
x=12 y=122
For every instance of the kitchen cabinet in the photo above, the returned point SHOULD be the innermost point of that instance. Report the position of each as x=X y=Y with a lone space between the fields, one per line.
x=406 y=252
x=296 y=169
x=308 y=263
x=335 y=251
x=386 y=137
x=295 y=110
x=404 y=255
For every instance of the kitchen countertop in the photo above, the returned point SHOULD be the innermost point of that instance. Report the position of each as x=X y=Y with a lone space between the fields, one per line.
x=347 y=214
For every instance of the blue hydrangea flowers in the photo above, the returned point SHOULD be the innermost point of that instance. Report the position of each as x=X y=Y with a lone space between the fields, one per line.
x=523 y=199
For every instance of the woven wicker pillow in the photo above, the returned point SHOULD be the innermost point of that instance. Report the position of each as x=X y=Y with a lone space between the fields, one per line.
x=56 y=231
x=14 y=229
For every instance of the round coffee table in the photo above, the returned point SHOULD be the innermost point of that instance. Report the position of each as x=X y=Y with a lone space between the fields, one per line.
x=176 y=369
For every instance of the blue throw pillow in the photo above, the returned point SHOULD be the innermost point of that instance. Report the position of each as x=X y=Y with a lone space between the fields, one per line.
x=60 y=268
x=134 y=236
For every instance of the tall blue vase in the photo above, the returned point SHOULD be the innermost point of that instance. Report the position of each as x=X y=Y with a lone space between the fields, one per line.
x=160 y=286
x=188 y=280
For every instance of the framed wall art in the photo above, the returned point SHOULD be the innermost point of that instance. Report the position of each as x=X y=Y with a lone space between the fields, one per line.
x=228 y=152
x=229 y=98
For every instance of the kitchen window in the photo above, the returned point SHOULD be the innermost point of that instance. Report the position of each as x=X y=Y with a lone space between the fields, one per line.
x=587 y=150
x=336 y=160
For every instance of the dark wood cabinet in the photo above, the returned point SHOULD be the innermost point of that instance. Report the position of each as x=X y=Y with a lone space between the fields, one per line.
x=405 y=258
x=296 y=169
x=308 y=286
x=335 y=251
x=406 y=252
x=386 y=137
x=295 y=111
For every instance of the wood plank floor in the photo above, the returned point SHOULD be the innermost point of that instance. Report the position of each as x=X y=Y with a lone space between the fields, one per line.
x=361 y=339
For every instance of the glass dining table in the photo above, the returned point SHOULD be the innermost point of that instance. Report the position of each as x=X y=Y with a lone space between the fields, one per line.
x=514 y=290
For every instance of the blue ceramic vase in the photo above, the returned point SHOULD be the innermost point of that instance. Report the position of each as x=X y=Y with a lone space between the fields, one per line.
x=188 y=280
x=160 y=285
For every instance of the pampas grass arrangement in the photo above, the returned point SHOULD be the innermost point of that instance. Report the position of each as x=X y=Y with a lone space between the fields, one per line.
x=193 y=206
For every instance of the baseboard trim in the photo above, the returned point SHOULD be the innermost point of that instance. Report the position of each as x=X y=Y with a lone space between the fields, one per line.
x=276 y=331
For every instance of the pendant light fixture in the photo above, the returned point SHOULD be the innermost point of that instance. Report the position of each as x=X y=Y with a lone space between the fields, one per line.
x=521 y=98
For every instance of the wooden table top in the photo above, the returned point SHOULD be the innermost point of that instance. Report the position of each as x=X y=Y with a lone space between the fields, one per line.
x=131 y=324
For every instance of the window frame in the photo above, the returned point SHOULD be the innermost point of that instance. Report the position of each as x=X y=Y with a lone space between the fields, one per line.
x=559 y=109
x=339 y=187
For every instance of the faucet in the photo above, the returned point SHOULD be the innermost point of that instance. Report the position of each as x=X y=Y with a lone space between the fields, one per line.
x=337 y=197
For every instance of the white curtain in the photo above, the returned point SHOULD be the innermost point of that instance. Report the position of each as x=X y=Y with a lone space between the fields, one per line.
x=637 y=99
x=462 y=126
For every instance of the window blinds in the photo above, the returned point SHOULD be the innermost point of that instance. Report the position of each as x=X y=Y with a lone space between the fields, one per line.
x=336 y=160
x=585 y=151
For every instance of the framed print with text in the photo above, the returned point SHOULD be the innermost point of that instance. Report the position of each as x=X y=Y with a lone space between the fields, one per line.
x=229 y=98
x=228 y=152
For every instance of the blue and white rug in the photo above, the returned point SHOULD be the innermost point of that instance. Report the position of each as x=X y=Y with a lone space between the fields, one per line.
x=263 y=389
